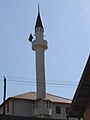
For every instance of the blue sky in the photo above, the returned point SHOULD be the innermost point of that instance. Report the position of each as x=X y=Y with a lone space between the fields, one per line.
x=67 y=30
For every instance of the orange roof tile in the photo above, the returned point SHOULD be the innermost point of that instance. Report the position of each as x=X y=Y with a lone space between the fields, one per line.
x=53 y=98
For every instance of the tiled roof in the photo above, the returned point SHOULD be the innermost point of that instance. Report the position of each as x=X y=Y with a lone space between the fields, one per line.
x=53 y=98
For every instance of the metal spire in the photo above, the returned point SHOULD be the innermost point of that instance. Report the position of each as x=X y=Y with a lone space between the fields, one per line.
x=38 y=9
x=38 y=21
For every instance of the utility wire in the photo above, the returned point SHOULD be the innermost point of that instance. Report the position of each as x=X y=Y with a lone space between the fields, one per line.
x=15 y=80
x=31 y=82
x=60 y=86
x=14 y=77
x=49 y=83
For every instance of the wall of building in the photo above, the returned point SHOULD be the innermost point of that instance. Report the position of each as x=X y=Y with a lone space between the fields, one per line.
x=1 y=110
x=8 y=107
x=18 y=107
x=22 y=107
x=59 y=110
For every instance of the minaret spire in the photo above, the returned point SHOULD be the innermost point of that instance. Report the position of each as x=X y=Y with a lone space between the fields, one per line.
x=38 y=21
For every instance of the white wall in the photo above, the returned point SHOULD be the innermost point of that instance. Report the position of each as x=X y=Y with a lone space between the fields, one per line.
x=22 y=107
x=63 y=111
x=25 y=108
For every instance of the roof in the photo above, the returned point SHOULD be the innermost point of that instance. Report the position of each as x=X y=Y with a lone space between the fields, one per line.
x=52 y=98
x=82 y=93
x=38 y=21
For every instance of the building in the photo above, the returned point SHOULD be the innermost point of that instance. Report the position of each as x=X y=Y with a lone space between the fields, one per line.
x=80 y=106
x=27 y=104
x=40 y=104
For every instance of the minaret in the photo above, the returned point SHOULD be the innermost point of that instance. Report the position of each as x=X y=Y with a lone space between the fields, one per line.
x=39 y=45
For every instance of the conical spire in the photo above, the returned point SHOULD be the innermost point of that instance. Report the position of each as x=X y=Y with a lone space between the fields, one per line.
x=38 y=21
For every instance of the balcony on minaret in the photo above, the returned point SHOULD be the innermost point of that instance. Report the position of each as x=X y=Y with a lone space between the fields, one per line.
x=39 y=44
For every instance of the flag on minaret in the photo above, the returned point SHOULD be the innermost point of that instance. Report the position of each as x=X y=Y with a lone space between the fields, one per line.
x=30 y=37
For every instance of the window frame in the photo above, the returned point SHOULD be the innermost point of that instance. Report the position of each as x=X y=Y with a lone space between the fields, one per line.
x=58 y=109
x=67 y=108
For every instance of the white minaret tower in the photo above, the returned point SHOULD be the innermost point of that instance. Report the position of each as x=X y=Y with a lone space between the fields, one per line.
x=39 y=45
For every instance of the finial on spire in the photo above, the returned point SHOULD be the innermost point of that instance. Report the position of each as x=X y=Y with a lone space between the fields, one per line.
x=38 y=9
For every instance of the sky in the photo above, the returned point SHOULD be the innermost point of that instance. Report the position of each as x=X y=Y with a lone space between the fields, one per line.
x=67 y=30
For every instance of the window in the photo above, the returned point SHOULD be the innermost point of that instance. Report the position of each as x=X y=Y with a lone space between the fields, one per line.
x=58 y=110
x=48 y=104
x=67 y=109
x=34 y=104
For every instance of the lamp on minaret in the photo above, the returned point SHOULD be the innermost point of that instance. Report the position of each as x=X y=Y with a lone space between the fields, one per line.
x=39 y=45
